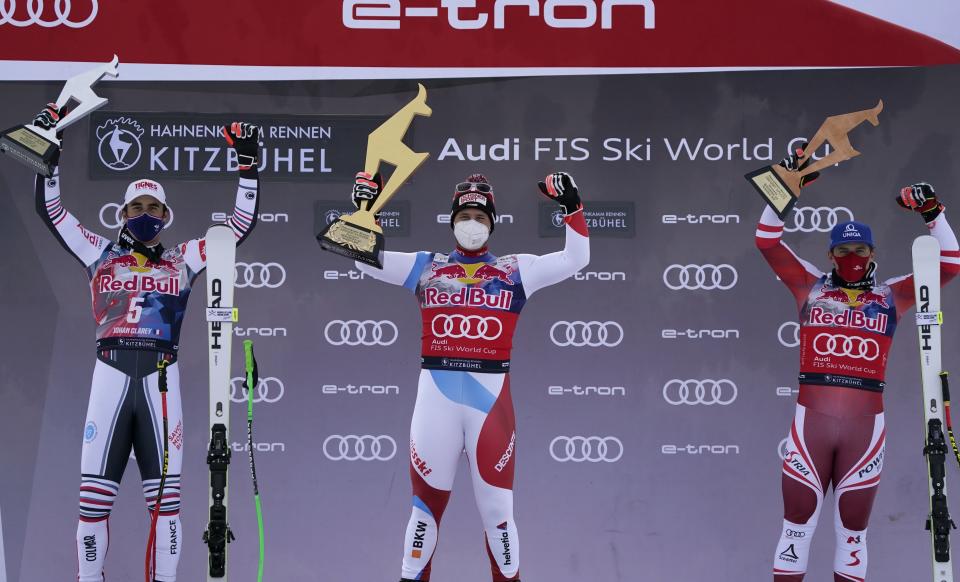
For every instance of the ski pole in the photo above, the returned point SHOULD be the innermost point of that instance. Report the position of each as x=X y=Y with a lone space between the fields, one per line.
x=253 y=380
x=946 y=413
x=150 y=560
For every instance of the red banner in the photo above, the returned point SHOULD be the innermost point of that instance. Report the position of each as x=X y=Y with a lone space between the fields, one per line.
x=565 y=34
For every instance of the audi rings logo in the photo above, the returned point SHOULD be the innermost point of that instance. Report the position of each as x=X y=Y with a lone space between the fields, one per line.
x=259 y=275
x=111 y=214
x=268 y=390
x=62 y=14
x=789 y=334
x=817 y=218
x=354 y=332
x=706 y=277
x=579 y=449
x=351 y=447
x=474 y=327
x=594 y=334
x=707 y=392
x=859 y=348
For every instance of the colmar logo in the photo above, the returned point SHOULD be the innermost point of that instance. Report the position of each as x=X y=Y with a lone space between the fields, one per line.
x=466 y=15
x=90 y=548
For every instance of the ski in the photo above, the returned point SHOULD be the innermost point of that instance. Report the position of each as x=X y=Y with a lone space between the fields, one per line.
x=3 y=563
x=251 y=384
x=221 y=255
x=926 y=280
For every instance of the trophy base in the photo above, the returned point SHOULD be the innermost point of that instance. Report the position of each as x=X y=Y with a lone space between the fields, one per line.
x=353 y=241
x=773 y=189
x=30 y=148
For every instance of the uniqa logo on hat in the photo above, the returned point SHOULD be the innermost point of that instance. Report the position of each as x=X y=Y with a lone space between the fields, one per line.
x=850 y=230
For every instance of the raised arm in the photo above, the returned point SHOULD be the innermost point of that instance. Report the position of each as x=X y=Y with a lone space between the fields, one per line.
x=797 y=274
x=398 y=268
x=85 y=246
x=922 y=198
x=538 y=272
x=244 y=139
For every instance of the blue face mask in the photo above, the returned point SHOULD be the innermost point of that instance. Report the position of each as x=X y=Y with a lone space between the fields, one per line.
x=145 y=227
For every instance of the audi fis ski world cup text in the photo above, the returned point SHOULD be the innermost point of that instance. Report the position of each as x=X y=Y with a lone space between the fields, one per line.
x=629 y=149
x=467 y=15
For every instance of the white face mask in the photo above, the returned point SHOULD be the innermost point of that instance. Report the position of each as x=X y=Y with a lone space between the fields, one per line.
x=471 y=234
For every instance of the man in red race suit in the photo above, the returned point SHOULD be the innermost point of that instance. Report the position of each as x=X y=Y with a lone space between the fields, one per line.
x=847 y=320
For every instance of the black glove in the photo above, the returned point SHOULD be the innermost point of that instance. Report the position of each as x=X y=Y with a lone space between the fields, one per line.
x=244 y=138
x=792 y=164
x=561 y=188
x=50 y=116
x=921 y=198
x=366 y=190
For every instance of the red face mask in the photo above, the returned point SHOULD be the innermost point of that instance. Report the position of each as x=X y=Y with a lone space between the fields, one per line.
x=852 y=267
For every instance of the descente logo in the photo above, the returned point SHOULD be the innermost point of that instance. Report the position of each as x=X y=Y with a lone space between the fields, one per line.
x=465 y=15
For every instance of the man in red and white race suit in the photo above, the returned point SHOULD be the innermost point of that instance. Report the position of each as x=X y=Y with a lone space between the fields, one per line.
x=139 y=292
x=469 y=301
x=847 y=321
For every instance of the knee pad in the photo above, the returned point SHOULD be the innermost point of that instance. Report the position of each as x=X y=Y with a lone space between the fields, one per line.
x=96 y=498
x=850 y=558
x=170 y=503
x=793 y=549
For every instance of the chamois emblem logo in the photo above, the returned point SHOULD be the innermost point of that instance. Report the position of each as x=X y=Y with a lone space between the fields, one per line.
x=119 y=148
